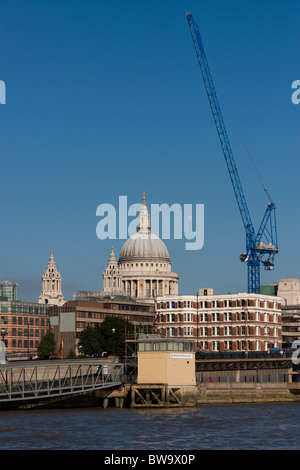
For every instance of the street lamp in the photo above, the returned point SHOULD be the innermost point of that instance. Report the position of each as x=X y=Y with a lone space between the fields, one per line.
x=113 y=332
x=3 y=333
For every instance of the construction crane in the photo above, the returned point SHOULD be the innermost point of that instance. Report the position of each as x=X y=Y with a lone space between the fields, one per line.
x=257 y=251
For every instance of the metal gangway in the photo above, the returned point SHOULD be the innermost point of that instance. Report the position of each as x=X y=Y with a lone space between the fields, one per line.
x=45 y=379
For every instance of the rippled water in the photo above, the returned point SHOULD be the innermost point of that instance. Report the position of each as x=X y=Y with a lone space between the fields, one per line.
x=234 y=426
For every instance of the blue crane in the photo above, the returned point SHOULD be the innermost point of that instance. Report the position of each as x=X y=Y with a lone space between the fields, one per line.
x=257 y=251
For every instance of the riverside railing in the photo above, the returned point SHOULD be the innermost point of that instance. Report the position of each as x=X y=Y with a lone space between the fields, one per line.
x=48 y=379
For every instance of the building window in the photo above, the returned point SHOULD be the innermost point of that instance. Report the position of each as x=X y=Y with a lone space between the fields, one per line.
x=188 y=317
x=215 y=317
x=187 y=331
x=215 y=331
x=227 y=331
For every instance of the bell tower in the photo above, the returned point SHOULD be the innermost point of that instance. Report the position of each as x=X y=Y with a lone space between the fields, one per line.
x=112 y=276
x=51 y=290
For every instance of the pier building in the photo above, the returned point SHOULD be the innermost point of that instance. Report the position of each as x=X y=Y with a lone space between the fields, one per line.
x=166 y=372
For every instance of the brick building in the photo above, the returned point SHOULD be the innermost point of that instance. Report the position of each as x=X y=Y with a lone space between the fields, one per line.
x=22 y=326
x=237 y=322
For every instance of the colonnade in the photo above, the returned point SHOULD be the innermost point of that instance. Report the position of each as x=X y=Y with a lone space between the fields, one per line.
x=149 y=287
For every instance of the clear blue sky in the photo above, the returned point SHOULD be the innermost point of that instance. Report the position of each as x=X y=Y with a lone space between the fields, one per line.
x=105 y=98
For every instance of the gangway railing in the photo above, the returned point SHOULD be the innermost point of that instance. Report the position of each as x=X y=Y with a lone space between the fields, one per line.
x=20 y=382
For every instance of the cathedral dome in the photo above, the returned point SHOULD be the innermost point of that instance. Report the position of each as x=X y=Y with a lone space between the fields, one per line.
x=144 y=246
x=144 y=267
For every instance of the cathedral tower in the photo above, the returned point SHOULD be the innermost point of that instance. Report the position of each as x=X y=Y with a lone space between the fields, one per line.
x=51 y=290
x=111 y=276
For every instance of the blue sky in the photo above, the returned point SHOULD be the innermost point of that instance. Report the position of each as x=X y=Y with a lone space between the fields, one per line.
x=105 y=98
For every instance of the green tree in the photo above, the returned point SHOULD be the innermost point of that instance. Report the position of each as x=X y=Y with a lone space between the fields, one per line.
x=108 y=337
x=47 y=345
x=90 y=341
x=114 y=342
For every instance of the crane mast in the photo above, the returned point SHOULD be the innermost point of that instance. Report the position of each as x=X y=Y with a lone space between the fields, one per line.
x=256 y=250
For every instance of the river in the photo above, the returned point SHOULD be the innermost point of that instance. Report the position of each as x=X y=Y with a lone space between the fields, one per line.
x=205 y=427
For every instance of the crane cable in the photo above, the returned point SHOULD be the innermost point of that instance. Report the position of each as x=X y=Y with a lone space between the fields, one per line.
x=189 y=120
x=239 y=133
x=189 y=134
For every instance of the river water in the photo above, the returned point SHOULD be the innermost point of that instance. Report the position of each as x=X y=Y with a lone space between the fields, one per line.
x=206 y=427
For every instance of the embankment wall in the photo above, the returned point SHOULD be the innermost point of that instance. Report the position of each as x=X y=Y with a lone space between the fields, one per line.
x=247 y=392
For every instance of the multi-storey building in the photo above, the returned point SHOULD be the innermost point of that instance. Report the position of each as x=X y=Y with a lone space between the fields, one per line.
x=69 y=320
x=9 y=290
x=290 y=325
x=23 y=324
x=236 y=322
x=288 y=290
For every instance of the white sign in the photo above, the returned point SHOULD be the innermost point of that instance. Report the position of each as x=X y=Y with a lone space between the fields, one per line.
x=181 y=356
